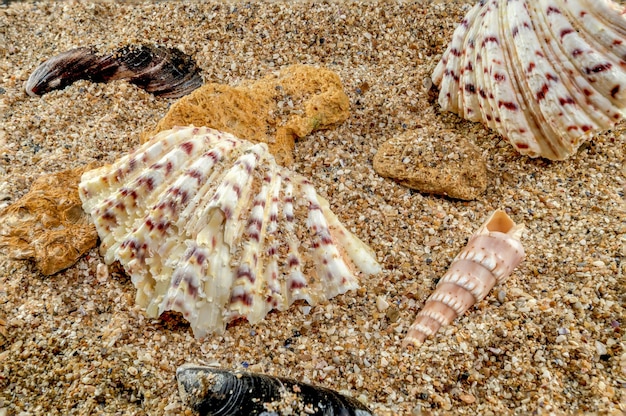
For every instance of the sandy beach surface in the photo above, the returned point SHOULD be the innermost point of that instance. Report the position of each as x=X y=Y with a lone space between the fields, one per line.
x=549 y=340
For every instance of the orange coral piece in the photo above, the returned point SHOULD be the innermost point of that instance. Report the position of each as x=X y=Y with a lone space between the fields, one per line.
x=48 y=224
x=276 y=110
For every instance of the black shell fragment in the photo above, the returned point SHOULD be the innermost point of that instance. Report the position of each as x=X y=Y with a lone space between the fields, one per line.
x=216 y=392
x=165 y=72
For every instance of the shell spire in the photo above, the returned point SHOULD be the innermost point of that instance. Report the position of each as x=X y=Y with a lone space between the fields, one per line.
x=547 y=75
x=488 y=259
x=210 y=226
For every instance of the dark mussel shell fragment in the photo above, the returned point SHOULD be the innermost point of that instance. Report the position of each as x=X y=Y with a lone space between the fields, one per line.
x=216 y=392
x=162 y=71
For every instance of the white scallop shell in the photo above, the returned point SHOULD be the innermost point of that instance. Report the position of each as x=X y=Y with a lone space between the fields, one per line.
x=488 y=259
x=210 y=226
x=546 y=74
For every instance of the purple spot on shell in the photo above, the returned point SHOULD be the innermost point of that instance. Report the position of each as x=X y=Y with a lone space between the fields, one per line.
x=195 y=174
x=254 y=235
x=255 y=222
x=541 y=94
x=187 y=147
x=244 y=271
x=599 y=68
x=200 y=257
x=293 y=261
x=295 y=284
x=552 y=10
x=212 y=155
x=244 y=298
x=508 y=105
x=490 y=39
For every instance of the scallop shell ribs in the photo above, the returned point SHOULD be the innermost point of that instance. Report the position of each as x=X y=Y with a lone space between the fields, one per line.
x=210 y=226
x=547 y=74
x=488 y=259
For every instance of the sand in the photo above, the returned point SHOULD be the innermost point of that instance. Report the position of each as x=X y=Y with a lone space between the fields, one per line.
x=549 y=340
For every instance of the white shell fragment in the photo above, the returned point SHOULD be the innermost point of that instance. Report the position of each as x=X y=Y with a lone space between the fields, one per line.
x=545 y=74
x=488 y=259
x=210 y=226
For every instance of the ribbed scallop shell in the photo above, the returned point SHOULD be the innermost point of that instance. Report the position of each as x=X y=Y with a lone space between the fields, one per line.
x=210 y=226
x=488 y=259
x=545 y=74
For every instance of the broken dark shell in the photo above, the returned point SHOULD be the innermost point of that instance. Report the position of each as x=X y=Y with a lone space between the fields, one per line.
x=217 y=392
x=165 y=72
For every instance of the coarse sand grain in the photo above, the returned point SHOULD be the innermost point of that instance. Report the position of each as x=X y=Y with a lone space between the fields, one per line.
x=550 y=339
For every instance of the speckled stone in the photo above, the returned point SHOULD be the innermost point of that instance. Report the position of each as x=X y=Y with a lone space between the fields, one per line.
x=48 y=225
x=434 y=162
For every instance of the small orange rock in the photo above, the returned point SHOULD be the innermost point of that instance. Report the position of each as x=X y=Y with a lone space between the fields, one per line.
x=431 y=161
x=276 y=110
x=467 y=398
x=48 y=224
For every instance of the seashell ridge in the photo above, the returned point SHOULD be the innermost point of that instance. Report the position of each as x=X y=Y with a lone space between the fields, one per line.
x=210 y=226
x=547 y=75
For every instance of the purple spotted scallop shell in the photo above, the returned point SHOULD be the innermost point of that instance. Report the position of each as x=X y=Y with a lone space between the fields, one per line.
x=545 y=74
x=210 y=226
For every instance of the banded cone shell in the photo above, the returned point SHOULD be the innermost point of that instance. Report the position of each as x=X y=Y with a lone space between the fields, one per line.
x=210 y=226
x=488 y=259
x=547 y=75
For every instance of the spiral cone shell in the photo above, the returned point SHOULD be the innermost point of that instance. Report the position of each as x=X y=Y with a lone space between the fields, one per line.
x=210 y=226
x=546 y=74
x=488 y=259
